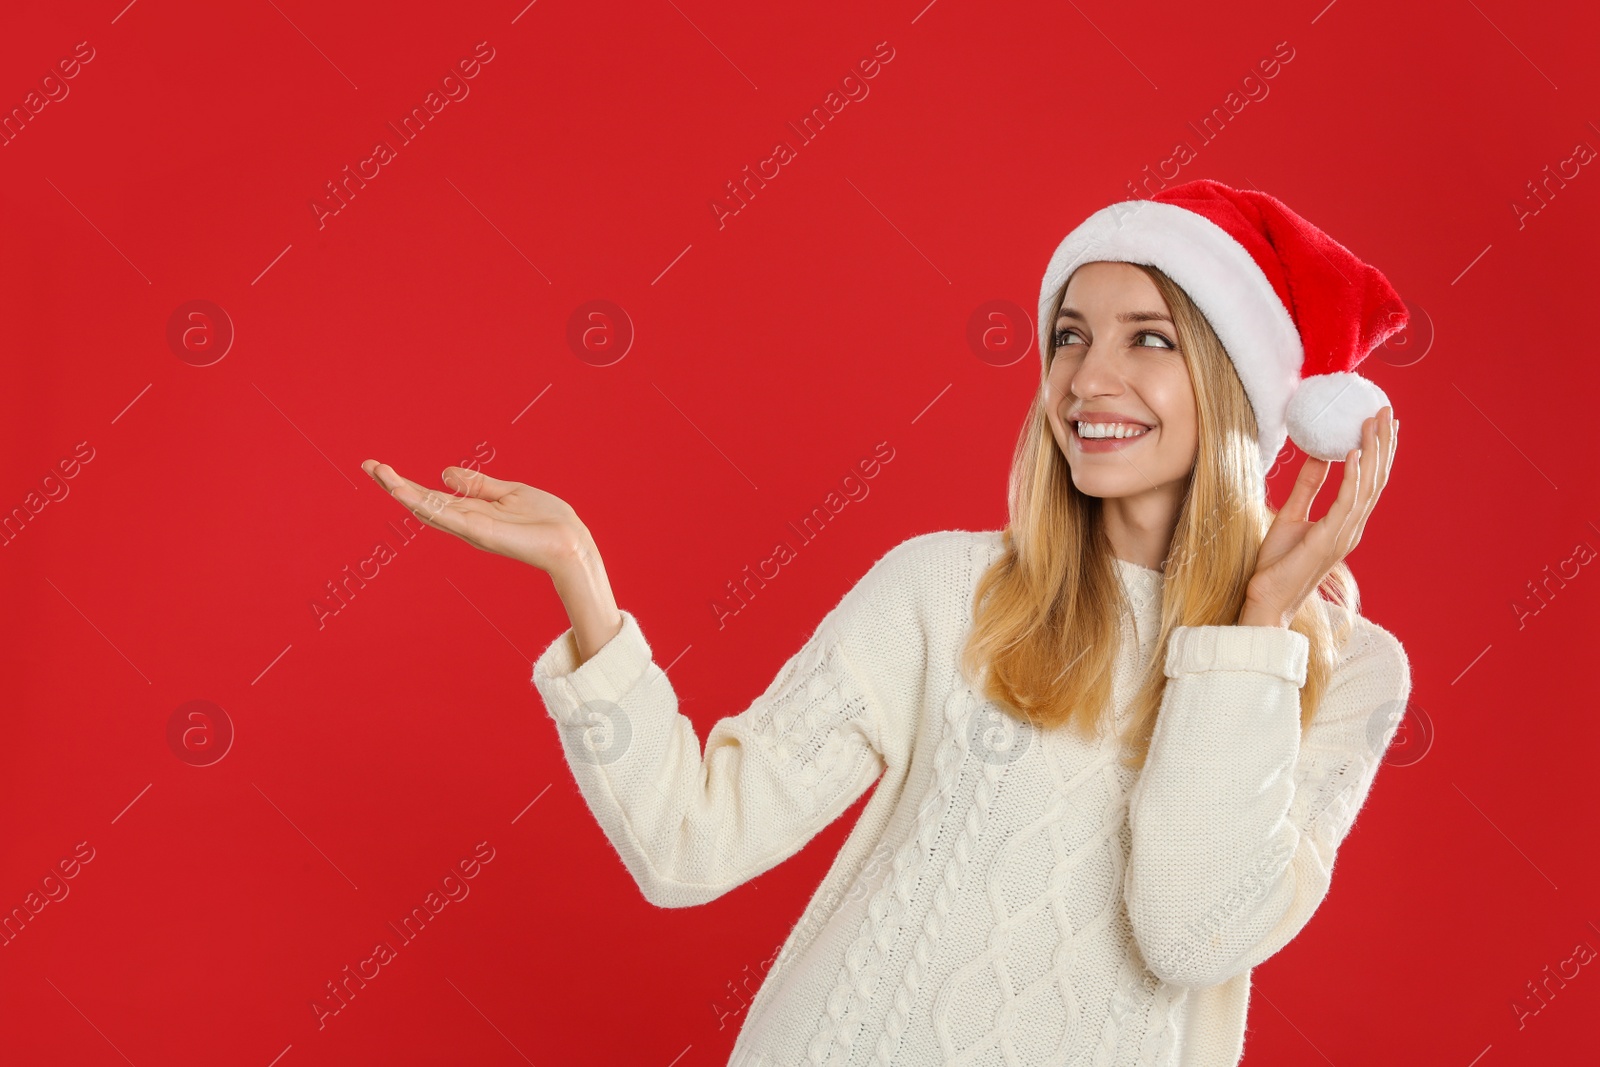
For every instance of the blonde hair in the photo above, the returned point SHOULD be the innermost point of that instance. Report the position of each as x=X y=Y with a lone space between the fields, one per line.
x=1046 y=614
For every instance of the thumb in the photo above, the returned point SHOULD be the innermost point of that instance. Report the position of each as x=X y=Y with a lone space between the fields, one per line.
x=476 y=484
x=1313 y=473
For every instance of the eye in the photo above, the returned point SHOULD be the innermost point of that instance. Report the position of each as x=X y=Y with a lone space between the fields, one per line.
x=1165 y=341
x=1061 y=336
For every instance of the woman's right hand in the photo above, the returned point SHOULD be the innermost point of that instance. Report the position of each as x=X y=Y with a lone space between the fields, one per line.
x=507 y=518
x=523 y=523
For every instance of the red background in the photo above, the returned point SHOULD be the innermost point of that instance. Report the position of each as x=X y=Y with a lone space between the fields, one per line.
x=830 y=314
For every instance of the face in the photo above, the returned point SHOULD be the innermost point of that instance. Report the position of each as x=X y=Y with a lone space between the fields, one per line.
x=1116 y=354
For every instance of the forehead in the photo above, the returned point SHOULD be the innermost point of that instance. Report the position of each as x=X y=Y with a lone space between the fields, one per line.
x=1111 y=286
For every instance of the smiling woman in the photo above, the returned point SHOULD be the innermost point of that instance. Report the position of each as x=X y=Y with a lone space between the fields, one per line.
x=1116 y=745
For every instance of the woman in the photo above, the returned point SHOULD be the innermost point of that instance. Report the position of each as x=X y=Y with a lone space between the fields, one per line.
x=1119 y=741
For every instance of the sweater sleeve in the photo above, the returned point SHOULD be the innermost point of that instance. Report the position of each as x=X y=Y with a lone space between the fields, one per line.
x=690 y=827
x=1237 y=816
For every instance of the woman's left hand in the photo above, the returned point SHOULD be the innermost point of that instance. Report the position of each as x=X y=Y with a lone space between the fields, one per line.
x=1297 y=554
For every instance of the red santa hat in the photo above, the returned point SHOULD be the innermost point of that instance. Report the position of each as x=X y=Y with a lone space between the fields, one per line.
x=1296 y=310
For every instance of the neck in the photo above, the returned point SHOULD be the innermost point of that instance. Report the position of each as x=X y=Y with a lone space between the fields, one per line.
x=1140 y=528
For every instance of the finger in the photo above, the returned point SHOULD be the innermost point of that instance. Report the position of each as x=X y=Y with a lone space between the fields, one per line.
x=1386 y=445
x=476 y=484
x=419 y=498
x=393 y=481
x=1333 y=524
x=1350 y=532
x=1385 y=435
x=1306 y=486
x=1371 y=458
x=388 y=477
x=1394 y=444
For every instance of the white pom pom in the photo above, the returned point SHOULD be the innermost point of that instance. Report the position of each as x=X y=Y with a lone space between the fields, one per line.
x=1326 y=412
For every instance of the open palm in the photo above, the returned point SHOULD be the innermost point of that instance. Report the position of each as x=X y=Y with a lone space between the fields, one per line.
x=507 y=518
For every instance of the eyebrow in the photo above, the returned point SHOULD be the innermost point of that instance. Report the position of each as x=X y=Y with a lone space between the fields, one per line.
x=1126 y=316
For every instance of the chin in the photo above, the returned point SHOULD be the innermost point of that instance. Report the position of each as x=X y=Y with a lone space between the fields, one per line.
x=1105 y=488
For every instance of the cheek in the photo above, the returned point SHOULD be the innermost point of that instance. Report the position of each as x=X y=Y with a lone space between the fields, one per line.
x=1175 y=395
x=1185 y=423
x=1057 y=380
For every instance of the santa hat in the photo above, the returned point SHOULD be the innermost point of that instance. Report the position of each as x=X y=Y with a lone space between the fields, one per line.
x=1296 y=310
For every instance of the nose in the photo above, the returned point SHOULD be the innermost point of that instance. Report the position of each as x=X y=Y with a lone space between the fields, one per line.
x=1097 y=373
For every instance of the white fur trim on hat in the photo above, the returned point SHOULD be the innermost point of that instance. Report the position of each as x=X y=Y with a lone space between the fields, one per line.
x=1220 y=277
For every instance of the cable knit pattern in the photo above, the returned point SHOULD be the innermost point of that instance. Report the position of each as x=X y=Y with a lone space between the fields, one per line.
x=893 y=897
x=1027 y=901
x=988 y=775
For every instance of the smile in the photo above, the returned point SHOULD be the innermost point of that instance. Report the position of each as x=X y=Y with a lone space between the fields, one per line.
x=1110 y=429
x=1106 y=436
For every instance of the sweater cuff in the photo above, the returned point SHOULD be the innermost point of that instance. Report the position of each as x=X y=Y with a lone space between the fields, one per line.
x=1273 y=650
x=607 y=675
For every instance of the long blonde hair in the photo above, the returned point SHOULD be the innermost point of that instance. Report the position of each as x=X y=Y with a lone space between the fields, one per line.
x=1046 y=613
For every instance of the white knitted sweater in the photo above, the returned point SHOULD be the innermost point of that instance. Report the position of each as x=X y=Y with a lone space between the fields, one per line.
x=1009 y=895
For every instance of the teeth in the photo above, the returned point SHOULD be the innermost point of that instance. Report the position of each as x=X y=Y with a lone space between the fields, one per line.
x=1092 y=430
